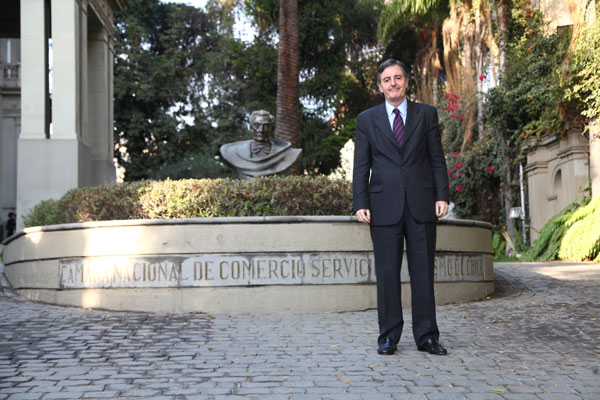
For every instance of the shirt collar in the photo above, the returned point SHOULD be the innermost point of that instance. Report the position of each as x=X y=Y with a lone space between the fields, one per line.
x=402 y=107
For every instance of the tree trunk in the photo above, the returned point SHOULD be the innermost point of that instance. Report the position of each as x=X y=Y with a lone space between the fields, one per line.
x=468 y=82
x=287 y=119
x=503 y=17
x=479 y=43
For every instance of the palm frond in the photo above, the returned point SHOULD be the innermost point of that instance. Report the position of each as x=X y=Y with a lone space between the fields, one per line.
x=399 y=14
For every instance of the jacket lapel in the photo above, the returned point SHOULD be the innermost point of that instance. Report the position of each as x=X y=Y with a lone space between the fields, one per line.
x=413 y=119
x=382 y=122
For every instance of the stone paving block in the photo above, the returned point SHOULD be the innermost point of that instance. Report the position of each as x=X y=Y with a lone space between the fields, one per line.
x=75 y=382
x=485 y=396
x=101 y=395
x=140 y=393
x=15 y=389
x=17 y=379
x=46 y=388
x=568 y=396
x=522 y=396
x=218 y=391
x=343 y=396
x=524 y=389
x=25 y=396
x=83 y=388
x=62 y=395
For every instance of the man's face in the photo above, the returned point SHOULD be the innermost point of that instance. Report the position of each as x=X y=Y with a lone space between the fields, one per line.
x=393 y=85
x=261 y=128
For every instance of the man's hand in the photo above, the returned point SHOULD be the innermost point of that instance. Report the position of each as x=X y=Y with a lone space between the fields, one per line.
x=364 y=215
x=441 y=208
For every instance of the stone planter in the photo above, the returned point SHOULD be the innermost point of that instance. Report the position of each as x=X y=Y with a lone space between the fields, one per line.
x=224 y=265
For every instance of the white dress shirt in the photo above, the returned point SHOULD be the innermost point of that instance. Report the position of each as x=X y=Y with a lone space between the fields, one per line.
x=403 y=107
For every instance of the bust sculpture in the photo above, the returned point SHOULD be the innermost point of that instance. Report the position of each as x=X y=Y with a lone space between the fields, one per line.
x=262 y=155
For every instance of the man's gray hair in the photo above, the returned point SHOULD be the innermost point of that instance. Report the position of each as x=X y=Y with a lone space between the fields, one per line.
x=388 y=63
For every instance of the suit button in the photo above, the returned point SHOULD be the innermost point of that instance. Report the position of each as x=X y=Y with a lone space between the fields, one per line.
x=403 y=168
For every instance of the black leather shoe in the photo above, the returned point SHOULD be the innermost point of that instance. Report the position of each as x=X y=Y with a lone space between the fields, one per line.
x=388 y=348
x=433 y=347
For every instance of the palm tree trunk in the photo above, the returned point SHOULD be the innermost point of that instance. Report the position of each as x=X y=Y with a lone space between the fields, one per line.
x=503 y=17
x=287 y=120
x=479 y=50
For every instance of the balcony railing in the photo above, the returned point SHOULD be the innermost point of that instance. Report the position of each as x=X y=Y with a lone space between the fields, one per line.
x=10 y=75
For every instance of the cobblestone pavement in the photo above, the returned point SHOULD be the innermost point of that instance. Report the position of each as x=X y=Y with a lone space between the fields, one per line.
x=536 y=338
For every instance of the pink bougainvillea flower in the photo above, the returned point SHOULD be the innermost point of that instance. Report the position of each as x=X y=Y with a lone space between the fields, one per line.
x=455 y=154
x=459 y=188
x=490 y=168
x=460 y=164
x=482 y=77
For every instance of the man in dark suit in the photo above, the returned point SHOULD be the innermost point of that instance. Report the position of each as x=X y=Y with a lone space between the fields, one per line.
x=400 y=188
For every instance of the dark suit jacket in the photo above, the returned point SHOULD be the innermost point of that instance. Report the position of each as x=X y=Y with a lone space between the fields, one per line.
x=416 y=173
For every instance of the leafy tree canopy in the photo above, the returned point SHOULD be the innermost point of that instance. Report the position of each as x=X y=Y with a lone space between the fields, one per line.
x=184 y=84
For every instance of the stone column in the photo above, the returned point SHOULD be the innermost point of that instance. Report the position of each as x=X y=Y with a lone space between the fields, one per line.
x=49 y=166
x=34 y=118
x=33 y=70
x=66 y=75
x=100 y=106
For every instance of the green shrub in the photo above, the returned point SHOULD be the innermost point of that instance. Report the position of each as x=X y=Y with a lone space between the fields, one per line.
x=192 y=198
x=498 y=245
x=547 y=245
x=187 y=198
x=100 y=203
x=43 y=213
x=582 y=239
x=573 y=235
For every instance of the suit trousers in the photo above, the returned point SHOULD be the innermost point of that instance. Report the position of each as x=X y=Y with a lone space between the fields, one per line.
x=388 y=246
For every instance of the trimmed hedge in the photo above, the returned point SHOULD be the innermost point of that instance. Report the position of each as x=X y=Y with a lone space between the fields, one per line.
x=193 y=198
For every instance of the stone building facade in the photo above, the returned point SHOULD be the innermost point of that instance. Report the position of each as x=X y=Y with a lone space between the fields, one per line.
x=59 y=78
x=557 y=173
x=10 y=124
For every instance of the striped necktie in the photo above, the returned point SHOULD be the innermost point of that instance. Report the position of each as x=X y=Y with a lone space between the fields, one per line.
x=398 y=127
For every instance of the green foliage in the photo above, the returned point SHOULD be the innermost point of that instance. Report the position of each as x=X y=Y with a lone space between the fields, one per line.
x=185 y=85
x=398 y=14
x=474 y=175
x=337 y=75
x=548 y=245
x=525 y=103
x=159 y=53
x=100 y=203
x=582 y=239
x=498 y=245
x=193 y=165
x=584 y=82
x=527 y=100
x=43 y=213
x=177 y=199
x=193 y=198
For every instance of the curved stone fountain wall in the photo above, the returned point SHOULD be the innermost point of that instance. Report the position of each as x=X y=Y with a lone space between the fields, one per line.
x=224 y=265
